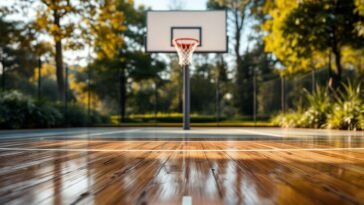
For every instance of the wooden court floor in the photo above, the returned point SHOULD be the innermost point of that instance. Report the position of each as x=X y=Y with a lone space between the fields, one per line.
x=134 y=169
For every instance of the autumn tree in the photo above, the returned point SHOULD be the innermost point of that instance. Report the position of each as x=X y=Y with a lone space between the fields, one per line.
x=70 y=24
x=113 y=72
x=324 y=26
x=305 y=35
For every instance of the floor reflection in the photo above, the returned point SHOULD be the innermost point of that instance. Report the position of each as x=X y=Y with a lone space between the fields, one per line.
x=285 y=171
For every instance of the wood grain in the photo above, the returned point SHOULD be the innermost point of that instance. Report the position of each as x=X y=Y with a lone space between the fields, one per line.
x=164 y=177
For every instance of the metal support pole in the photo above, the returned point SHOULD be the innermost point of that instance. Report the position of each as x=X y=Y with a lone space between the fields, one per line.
x=186 y=98
x=39 y=77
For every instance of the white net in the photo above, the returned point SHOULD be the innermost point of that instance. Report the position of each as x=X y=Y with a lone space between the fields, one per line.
x=185 y=48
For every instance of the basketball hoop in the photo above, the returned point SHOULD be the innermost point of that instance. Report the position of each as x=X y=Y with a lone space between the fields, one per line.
x=185 y=48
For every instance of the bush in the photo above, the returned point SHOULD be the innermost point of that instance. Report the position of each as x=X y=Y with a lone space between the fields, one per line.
x=348 y=111
x=287 y=120
x=361 y=119
x=14 y=109
x=319 y=106
x=20 y=111
x=44 y=115
x=76 y=116
x=165 y=118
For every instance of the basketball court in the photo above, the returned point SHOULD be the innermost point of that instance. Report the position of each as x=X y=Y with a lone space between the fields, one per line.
x=173 y=166
x=181 y=166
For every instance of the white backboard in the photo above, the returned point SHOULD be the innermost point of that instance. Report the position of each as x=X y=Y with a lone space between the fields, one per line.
x=209 y=27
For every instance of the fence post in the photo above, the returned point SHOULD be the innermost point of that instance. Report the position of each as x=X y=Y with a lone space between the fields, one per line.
x=66 y=97
x=313 y=81
x=283 y=94
x=88 y=95
x=2 y=61
x=217 y=98
x=254 y=97
x=155 y=99
x=39 y=76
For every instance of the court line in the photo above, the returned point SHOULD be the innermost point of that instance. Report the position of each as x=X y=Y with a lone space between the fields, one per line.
x=179 y=150
x=105 y=133
x=186 y=200
x=84 y=133
x=261 y=133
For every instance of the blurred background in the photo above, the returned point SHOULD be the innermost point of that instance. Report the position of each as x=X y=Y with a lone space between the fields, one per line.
x=291 y=63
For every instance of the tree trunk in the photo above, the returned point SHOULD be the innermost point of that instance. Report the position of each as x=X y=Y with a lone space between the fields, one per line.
x=122 y=79
x=59 y=60
x=59 y=70
x=238 y=29
x=335 y=74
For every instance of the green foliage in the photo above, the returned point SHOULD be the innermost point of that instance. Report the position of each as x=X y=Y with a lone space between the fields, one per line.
x=317 y=25
x=319 y=106
x=21 y=111
x=286 y=120
x=14 y=109
x=45 y=115
x=348 y=112
x=361 y=119
x=301 y=34
x=165 y=118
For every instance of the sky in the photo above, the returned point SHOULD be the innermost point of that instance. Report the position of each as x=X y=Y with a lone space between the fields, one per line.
x=172 y=4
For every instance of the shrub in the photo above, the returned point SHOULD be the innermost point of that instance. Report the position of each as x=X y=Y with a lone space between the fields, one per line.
x=165 y=118
x=77 y=116
x=348 y=110
x=45 y=115
x=346 y=113
x=14 y=109
x=319 y=107
x=287 y=120
x=97 y=118
x=20 y=111
x=361 y=119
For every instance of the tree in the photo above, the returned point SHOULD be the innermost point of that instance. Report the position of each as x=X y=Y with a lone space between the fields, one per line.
x=112 y=74
x=321 y=26
x=202 y=87
x=237 y=15
x=69 y=22
x=18 y=56
x=301 y=34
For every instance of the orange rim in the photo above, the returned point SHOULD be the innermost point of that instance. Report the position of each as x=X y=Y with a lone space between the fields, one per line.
x=185 y=45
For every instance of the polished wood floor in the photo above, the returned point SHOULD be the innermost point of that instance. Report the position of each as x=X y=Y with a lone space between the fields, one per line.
x=255 y=169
